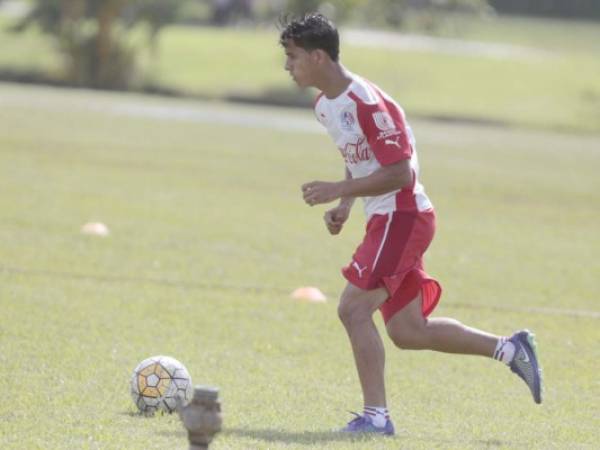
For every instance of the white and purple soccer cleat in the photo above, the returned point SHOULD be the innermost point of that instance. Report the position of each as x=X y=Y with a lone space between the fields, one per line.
x=525 y=362
x=363 y=424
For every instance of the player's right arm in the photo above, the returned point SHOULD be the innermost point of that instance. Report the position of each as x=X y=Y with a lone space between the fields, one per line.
x=336 y=217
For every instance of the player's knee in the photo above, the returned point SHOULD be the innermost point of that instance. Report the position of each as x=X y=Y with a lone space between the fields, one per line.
x=347 y=312
x=351 y=311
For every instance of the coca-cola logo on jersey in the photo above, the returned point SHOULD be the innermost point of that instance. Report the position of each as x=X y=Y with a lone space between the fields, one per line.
x=355 y=153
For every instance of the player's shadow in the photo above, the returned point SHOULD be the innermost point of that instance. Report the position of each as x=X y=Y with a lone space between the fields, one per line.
x=309 y=438
x=288 y=437
x=304 y=437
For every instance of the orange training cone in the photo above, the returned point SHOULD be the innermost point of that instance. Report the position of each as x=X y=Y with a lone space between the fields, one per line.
x=310 y=294
x=95 y=229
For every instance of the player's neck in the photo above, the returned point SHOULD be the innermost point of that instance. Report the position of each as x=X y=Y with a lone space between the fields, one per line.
x=334 y=81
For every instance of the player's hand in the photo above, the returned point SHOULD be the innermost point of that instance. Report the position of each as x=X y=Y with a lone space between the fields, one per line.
x=335 y=218
x=317 y=192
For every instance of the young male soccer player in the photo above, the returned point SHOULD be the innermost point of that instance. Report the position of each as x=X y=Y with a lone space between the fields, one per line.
x=386 y=271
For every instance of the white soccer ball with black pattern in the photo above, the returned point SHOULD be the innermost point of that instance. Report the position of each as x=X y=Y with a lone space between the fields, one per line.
x=158 y=382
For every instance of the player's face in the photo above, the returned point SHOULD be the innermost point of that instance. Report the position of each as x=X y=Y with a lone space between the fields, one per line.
x=300 y=64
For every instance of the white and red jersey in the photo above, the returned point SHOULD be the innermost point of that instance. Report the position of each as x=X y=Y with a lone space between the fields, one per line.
x=370 y=130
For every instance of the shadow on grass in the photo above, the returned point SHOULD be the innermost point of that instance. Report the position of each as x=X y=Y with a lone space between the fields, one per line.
x=288 y=437
x=303 y=437
x=140 y=415
x=319 y=437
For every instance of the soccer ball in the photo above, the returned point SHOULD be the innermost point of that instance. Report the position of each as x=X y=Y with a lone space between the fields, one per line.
x=158 y=382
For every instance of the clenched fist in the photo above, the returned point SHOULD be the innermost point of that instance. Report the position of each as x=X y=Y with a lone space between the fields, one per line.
x=317 y=192
x=336 y=217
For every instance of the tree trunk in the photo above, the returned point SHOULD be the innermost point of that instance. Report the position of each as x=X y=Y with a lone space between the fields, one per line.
x=107 y=13
x=72 y=12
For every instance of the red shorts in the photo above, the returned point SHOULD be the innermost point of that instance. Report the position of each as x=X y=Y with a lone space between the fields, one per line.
x=391 y=256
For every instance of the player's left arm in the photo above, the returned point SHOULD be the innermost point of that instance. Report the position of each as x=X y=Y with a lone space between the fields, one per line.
x=385 y=179
x=385 y=129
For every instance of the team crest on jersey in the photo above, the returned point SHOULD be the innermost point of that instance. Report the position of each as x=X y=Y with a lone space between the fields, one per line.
x=383 y=120
x=347 y=120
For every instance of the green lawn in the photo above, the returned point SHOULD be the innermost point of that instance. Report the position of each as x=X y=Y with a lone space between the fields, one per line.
x=209 y=236
x=557 y=87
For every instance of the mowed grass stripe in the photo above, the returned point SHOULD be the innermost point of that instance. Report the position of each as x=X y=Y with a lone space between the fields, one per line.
x=278 y=290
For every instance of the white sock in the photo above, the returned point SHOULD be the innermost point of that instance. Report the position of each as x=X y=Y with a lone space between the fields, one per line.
x=379 y=415
x=505 y=351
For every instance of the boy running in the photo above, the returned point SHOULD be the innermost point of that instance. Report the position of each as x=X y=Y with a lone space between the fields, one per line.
x=386 y=272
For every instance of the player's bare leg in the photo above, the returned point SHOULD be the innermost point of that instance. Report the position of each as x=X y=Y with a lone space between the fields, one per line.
x=408 y=329
x=356 y=310
x=356 y=313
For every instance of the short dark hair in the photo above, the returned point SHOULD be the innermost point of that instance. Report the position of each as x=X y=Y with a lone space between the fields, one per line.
x=311 y=32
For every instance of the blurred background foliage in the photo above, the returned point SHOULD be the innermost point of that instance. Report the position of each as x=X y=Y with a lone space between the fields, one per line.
x=96 y=37
x=586 y=9
x=475 y=59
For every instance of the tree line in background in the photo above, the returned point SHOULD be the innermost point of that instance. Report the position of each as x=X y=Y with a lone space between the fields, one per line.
x=100 y=39
x=389 y=12
x=553 y=8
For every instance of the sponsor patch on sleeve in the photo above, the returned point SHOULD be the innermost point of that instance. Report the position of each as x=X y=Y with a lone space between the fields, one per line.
x=387 y=128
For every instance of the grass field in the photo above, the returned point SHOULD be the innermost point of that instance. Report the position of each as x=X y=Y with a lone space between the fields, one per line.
x=209 y=236
x=554 y=85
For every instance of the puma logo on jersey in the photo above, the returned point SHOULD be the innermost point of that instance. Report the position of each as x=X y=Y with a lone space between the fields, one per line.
x=358 y=269
x=393 y=142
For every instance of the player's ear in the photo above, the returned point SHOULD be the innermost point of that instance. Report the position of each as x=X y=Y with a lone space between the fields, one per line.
x=320 y=56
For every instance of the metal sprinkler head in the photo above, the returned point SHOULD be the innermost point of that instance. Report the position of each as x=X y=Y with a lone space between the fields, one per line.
x=202 y=417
